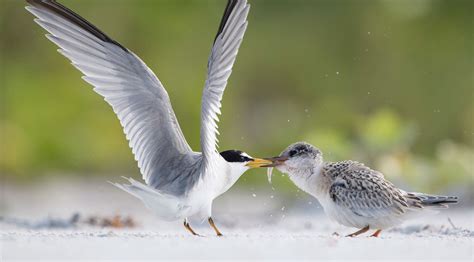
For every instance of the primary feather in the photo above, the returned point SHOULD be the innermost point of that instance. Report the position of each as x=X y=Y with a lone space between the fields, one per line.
x=136 y=95
x=221 y=60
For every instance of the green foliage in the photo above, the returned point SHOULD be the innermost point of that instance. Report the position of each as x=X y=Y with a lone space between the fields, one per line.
x=384 y=82
x=383 y=131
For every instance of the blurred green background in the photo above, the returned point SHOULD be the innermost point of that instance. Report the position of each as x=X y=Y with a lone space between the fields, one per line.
x=386 y=82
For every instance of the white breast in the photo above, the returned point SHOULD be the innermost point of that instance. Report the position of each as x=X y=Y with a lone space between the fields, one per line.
x=201 y=196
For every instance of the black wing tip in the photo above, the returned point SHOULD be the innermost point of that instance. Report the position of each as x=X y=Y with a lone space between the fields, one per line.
x=71 y=16
x=36 y=2
x=228 y=11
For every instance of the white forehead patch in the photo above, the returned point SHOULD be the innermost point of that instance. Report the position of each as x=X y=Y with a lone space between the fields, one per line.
x=246 y=155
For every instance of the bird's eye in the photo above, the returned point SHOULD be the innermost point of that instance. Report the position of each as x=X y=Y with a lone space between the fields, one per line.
x=292 y=153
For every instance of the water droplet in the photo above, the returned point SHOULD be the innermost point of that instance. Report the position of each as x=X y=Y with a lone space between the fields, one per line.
x=368 y=33
x=283 y=208
x=337 y=73
x=368 y=93
x=254 y=195
x=288 y=120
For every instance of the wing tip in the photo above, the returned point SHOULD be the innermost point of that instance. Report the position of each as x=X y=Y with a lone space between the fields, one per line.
x=62 y=11
x=29 y=8
x=225 y=17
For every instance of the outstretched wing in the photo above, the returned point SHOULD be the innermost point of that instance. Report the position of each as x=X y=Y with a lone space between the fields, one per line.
x=221 y=60
x=364 y=191
x=126 y=83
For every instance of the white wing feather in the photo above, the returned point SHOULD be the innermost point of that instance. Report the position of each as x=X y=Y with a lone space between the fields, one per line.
x=129 y=86
x=220 y=64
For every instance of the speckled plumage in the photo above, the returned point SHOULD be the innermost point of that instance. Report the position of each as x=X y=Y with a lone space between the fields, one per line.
x=363 y=190
x=351 y=193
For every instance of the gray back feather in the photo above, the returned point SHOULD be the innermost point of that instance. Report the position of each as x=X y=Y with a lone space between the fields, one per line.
x=363 y=190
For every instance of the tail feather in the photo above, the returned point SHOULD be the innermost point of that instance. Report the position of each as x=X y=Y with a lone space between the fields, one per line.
x=425 y=200
x=165 y=206
x=136 y=188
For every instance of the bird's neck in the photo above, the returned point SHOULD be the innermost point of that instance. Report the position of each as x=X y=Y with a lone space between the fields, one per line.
x=309 y=180
x=228 y=174
x=236 y=170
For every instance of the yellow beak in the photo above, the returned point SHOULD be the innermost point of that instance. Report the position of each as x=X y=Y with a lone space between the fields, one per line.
x=258 y=162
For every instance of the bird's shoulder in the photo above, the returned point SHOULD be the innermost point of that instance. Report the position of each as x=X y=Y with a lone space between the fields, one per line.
x=349 y=169
x=354 y=175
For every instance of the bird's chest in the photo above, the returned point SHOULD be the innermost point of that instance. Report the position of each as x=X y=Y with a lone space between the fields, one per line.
x=199 y=198
x=222 y=180
x=214 y=184
x=318 y=186
x=330 y=208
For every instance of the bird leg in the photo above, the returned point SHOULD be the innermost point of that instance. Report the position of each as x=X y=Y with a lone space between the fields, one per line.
x=376 y=233
x=188 y=227
x=211 y=222
x=363 y=230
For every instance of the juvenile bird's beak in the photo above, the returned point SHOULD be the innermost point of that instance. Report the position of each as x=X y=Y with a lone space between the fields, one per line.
x=276 y=161
x=258 y=162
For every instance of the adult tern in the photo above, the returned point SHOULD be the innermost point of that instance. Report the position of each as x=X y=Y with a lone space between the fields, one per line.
x=350 y=192
x=180 y=183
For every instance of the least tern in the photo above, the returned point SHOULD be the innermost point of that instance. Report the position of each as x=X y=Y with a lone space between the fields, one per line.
x=180 y=183
x=350 y=192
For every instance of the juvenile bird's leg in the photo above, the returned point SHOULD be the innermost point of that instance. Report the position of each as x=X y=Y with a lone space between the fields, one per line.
x=211 y=222
x=188 y=227
x=363 y=230
x=376 y=233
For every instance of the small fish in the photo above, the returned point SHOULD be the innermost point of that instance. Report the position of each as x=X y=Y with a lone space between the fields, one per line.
x=269 y=174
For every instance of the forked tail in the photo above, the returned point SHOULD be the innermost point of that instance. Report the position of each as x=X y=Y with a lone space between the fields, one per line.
x=165 y=206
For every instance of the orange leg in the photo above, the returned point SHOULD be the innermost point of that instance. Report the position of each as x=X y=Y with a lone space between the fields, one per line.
x=188 y=227
x=376 y=233
x=363 y=230
x=211 y=222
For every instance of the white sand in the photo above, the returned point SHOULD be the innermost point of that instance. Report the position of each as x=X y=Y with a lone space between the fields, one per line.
x=255 y=227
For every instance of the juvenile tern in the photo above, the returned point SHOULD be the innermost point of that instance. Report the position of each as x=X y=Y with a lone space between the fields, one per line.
x=350 y=192
x=180 y=183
